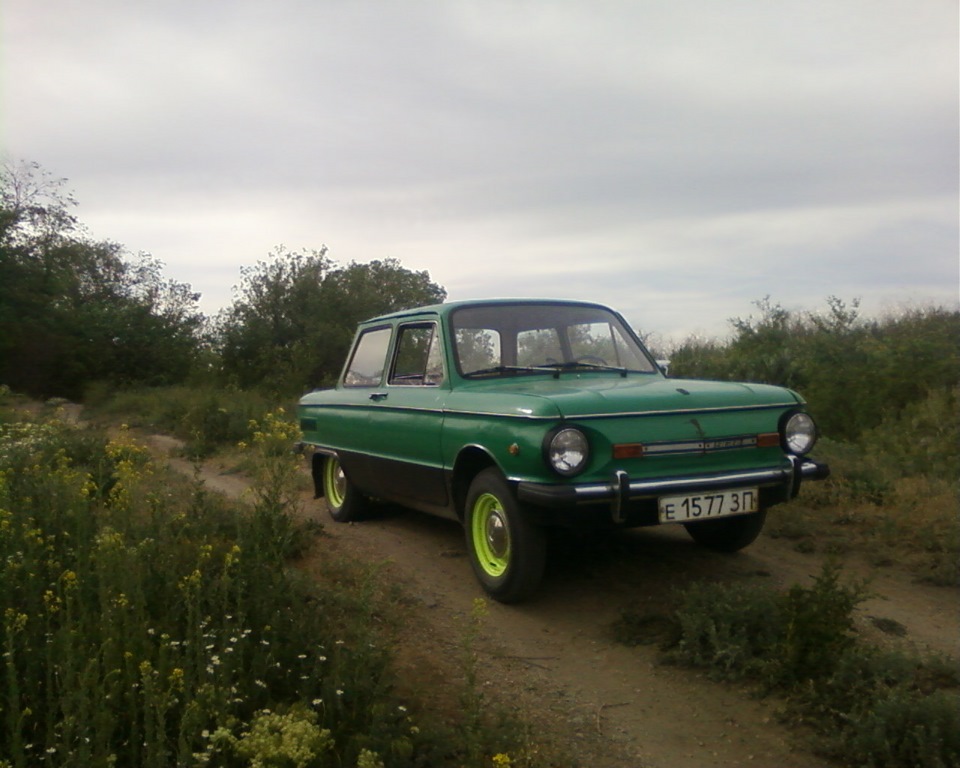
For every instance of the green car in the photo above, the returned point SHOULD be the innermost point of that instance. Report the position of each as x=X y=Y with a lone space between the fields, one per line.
x=514 y=415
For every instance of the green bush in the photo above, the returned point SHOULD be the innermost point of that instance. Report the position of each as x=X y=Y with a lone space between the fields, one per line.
x=732 y=630
x=855 y=373
x=885 y=708
x=749 y=630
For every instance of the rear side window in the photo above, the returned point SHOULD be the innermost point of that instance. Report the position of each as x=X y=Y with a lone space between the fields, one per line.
x=369 y=359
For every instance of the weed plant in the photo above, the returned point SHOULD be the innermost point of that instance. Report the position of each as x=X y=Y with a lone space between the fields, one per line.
x=881 y=709
x=142 y=627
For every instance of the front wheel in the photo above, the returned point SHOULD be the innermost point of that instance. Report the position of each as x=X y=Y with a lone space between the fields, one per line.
x=507 y=551
x=729 y=534
x=345 y=502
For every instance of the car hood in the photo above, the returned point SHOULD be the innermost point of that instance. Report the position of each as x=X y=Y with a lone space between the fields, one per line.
x=580 y=396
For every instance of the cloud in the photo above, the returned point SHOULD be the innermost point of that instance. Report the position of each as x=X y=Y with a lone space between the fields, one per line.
x=677 y=160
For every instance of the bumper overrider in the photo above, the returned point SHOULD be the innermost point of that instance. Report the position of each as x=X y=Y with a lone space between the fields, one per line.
x=622 y=491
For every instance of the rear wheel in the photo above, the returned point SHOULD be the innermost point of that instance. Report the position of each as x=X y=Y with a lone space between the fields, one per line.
x=728 y=534
x=344 y=501
x=507 y=551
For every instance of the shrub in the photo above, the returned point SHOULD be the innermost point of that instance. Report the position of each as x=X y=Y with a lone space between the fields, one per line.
x=748 y=630
x=855 y=373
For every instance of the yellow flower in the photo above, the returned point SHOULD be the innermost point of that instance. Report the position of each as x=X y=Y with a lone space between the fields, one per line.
x=52 y=602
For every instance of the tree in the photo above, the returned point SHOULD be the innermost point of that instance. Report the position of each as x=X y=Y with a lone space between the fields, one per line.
x=74 y=310
x=294 y=315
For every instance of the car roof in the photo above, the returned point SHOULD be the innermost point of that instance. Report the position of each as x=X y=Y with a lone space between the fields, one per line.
x=448 y=307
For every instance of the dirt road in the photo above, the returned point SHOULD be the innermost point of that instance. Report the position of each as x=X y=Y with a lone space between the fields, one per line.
x=556 y=662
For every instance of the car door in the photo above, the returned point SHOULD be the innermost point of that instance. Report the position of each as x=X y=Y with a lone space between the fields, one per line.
x=407 y=417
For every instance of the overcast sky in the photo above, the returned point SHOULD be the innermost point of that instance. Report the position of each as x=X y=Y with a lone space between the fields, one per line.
x=677 y=159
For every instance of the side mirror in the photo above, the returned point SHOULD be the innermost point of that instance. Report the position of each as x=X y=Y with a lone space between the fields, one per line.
x=664 y=366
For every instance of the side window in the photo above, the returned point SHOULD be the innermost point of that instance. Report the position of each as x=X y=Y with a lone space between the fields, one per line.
x=434 y=373
x=419 y=360
x=369 y=358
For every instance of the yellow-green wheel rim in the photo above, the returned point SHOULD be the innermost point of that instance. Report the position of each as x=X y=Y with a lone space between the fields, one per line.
x=334 y=483
x=490 y=535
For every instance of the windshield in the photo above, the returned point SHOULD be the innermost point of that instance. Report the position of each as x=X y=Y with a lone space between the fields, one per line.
x=508 y=339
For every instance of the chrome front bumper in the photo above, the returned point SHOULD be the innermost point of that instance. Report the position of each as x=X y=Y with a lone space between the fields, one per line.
x=622 y=490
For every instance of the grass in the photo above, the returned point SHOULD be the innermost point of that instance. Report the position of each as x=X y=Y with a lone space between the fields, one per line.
x=207 y=418
x=870 y=508
x=147 y=622
x=867 y=707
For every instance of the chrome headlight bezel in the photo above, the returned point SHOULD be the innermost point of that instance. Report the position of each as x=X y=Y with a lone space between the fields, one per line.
x=566 y=451
x=798 y=433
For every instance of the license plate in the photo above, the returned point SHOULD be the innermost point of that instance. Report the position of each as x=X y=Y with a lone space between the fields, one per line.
x=706 y=506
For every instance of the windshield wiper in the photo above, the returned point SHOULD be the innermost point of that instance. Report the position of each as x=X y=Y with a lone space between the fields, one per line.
x=575 y=364
x=511 y=369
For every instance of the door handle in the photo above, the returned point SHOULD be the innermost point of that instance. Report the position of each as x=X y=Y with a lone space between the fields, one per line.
x=378 y=396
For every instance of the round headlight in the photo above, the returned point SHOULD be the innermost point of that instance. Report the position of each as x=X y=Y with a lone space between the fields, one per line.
x=799 y=433
x=567 y=451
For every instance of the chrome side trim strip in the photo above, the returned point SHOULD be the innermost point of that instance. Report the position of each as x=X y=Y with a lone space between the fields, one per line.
x=560 y=416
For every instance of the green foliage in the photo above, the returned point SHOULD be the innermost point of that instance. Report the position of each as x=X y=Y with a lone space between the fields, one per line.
x=73 y=310
x=920 y=438
x=731 y=630
x=884 y=709
x=207 y=418
x=817 y=627
x=142 y=626
x=743 y=630
x=294 y=317
x=855 y=373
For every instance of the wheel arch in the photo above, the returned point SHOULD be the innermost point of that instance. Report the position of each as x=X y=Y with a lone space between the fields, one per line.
x=316 y=469
x=471 y=461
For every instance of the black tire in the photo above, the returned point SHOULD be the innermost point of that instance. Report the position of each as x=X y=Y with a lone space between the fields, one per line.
x=507 y=551
x=730 y=534
x=345 y=503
